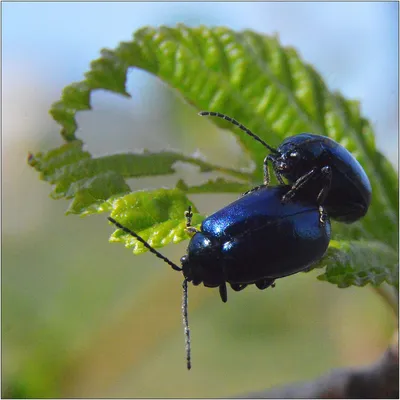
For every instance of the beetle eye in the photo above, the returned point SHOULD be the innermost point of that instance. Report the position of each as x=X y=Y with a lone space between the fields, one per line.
x=294 y=154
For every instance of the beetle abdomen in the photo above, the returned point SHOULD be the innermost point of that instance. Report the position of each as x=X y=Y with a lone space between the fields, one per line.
x=260 y=237
x=252 y=211
x=277 y=249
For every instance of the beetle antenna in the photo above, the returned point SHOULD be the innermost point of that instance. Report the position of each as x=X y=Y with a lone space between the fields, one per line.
x=145 y=244
x=238 y=124
x=186 y=323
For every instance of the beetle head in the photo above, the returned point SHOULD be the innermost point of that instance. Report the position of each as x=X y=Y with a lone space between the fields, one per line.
x=187 y=268
x=297 y=155
x=288 y=161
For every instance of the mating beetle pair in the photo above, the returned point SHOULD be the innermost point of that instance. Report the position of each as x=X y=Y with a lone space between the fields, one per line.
x=272 y=232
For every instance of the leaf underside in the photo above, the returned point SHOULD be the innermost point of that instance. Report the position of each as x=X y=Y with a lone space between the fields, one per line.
x=262 y=84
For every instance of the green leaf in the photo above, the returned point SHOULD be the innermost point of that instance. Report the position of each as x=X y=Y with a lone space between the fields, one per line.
x=259 y=82
x=357 y=263
x=218 y=185
x=157 y=216
x=93 y=192
x=47 y=164
x=90 y=181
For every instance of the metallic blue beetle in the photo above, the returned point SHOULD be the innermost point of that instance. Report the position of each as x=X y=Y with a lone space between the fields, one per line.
x=254 y=240
x=319 y=168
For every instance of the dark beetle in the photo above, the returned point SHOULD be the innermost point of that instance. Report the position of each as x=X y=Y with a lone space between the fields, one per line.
x=254 y=240
x=320 y=168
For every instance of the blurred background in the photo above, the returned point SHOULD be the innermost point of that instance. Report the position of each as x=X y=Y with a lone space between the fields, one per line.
x=84 y=318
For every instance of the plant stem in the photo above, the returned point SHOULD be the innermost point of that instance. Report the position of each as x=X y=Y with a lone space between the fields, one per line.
x=379 y=380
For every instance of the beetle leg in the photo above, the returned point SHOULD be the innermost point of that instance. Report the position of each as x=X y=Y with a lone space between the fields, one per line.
x=299 y=184
x=189 y=228
x=254 y=189
x=223 y=293
x=265 y=283
x=237 y=287
x=326 y=173
x=267 y=178
x=266 y=171
x=323 y=216
x=278 y=175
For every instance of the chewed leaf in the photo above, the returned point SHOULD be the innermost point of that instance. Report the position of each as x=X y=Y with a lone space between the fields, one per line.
x=254 y=79
x=358 y=263
x=157 y=216
x=90 y=182
x=76 y=175
x=48 y=163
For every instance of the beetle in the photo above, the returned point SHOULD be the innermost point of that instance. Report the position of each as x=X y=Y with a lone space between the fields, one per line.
x=254 y=240
x=320 y=167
